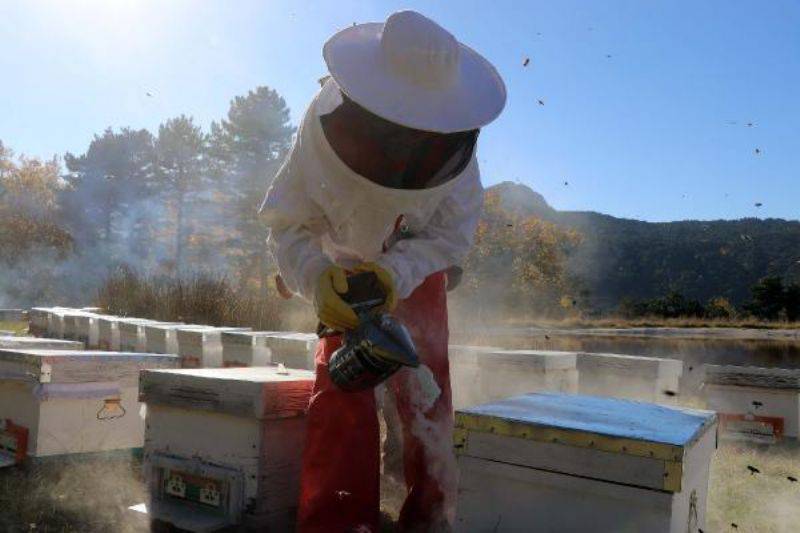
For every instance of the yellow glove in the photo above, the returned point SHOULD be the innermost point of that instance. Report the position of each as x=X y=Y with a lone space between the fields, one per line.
x=331 y=309
x=386 y=281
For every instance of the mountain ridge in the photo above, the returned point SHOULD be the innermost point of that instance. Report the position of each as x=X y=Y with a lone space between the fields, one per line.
x=623 y=258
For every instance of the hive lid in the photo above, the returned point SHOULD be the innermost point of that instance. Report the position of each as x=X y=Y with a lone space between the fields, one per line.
x=597 y=429
x=73 y=366
x=541 y=359
x=753 y=376
x=13 y=342
x=612 y=417
x=261 y=392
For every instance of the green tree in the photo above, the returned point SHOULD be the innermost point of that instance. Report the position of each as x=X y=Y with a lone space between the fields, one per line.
x=768 y=298
x=114 y=174
x=248 y=147
x=791 y=300
x=181 y=170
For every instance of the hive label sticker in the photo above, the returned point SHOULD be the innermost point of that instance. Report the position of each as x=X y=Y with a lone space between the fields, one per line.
x=46 y=373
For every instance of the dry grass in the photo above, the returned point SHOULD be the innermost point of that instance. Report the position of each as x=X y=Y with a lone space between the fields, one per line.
x=201 y=298
x=767 y=502
x=650 y=322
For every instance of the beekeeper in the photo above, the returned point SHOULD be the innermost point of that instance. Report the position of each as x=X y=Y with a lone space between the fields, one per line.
x=383 y=177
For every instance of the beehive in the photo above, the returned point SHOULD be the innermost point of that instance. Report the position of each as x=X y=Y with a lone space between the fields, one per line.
x=37 y=343
x=464 y=373
x=87 y=330
x=55 y=322
x=72 y=325
x=201 y=346
x=131 y=334
x=653 y=379
x=70 y=401
x=292 y=349
x=108 y=332
x=223 y=446
x=760 y=404
x=161 y=337
x=12 y=315
x=556 y=462
x=37 y=321
x=246 y=348
x=504 y=373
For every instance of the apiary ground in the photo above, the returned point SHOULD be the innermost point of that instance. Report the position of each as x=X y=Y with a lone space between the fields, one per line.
x=93 y=495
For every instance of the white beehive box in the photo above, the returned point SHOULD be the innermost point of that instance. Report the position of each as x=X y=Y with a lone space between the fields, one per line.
x=464 y=373
x=37 y=343
x=556 y=462
x=201 y=346
x=224 y=446
x=74 y=401
x=760 y=404
x=108 y=332
x=87 y=330
x=12 y=315
x=162 y=337
x=293 y=349
x=55 y=322
x=131 y=334
x=504 y=373
x=37 y=321
x=73 y=321
x=653 y=379
x=246 y=348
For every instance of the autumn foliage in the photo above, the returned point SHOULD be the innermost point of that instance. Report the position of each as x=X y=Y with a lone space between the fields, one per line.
x=518 y=260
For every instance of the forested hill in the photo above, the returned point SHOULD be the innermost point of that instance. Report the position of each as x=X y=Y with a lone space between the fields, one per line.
x=622 y=258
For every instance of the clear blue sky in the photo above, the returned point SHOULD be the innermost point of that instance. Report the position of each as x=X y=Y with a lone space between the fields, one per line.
x=644 y=133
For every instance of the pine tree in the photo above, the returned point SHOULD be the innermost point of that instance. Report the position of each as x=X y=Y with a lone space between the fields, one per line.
x=248 y=148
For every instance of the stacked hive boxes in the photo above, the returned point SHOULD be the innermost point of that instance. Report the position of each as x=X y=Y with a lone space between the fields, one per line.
x=292 y=349
x=246 y=348
x=223 y=446
x=37 y=321
x=554 y=462
x=133 y=333
x=201 y=346
x=628 y=376
x=87 y=330
x=161 y=337
x=72 y=401
x=73 y=323
x=108 y=332
x=760 y=404
x=503 y=373
x=464 y=374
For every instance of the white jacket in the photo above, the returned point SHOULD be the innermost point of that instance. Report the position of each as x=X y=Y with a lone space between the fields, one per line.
x=320 y=212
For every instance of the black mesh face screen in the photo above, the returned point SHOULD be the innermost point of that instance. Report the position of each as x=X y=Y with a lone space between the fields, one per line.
x=392 y=155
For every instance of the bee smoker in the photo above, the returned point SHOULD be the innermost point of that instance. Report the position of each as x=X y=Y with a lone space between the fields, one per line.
x=377 y=347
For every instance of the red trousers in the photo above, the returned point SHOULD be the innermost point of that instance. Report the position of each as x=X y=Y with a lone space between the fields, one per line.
x=340 y=480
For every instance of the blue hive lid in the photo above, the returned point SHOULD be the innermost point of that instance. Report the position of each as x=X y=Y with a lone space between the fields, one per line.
x=612 y=417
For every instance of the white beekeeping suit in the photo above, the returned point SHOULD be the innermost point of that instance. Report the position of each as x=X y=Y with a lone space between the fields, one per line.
x=321 y=212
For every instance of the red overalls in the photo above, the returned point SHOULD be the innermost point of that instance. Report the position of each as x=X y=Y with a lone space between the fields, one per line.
x=340 y=479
